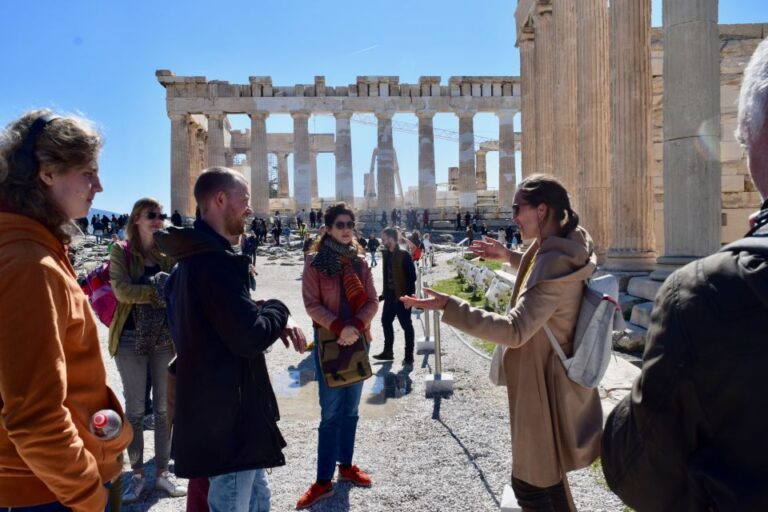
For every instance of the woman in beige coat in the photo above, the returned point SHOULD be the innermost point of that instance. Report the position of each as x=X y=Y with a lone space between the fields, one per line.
x=555 y=423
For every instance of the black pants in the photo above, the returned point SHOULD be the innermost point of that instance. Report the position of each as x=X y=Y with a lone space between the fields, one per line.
x=541 y=499
x=394 y=308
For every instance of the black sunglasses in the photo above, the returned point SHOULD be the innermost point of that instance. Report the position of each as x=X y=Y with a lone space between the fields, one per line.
x=155 y=215
x=341 y=225
x=516 y=208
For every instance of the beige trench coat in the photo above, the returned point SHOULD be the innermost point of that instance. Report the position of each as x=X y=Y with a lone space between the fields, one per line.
x=556 y=424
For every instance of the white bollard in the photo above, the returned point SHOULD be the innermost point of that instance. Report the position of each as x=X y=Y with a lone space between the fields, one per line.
x=439 y=382
x=425 y=345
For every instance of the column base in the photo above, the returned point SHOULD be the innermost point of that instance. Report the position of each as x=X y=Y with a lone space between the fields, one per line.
x=630 y=261
x=668 y=264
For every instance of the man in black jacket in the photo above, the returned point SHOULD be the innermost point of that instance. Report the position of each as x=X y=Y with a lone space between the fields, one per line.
x=226 y=412
x=692 y=435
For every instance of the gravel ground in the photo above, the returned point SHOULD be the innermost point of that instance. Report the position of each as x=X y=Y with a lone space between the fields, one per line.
x=437 y=454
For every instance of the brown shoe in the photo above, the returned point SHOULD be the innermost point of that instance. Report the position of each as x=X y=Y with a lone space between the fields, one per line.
x=355 y=475
x=317 y=492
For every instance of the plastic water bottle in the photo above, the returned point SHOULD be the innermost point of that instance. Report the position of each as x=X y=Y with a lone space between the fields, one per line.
x=106 y=424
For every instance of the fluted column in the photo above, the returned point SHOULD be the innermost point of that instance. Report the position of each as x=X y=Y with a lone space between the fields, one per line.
x=427 y=182
x=545 y=89
x=386 y=161
x=481 y=175
x=528 y=101
x=345 y=189
x=507 y=179
x=259 y=164
x=632 y=240
x=313 y=173
x=691 y=131
x=181 y=198
x=282 y=175
x=593 y=91
x=216 y=151
x=565 y=99
x=467 y=176
x=302 y=179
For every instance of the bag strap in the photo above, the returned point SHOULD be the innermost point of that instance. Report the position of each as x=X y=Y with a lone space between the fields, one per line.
x=555 y=344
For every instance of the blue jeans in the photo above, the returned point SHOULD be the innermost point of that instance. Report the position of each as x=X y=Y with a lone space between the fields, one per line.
x=240 y=492
x=338 y=423
x=373 y=257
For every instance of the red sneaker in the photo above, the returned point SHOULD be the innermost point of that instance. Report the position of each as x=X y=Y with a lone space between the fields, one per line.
x=355 y=475
x=316 y=492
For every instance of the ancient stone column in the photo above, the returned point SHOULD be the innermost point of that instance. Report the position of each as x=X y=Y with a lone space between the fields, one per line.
x=180 y=189
x=507 y=180
x=467 y=177
x=632 y=239
x=481 y=182
x=386 y=161
x=344 y=175
x=691 y=131
x=259 y=164
x=546 y=54
x=528 y=101
x=282 y=175
x=216 y=151
x=593 y=92
x=313 y=172
x=302 y=178
x=427 y=182
x=566 y=158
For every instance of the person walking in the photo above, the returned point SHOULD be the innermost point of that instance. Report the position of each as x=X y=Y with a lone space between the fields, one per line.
x=373 y=247
x=176 y=218
x=340 y=297
x=140 y=341
x=467 y=219
x=225 y=423
x=458 y=220
x=383 y=220
x=399 y=281
x=312 y=218
x=425 y=226
x=52 y=375
x=556 y=424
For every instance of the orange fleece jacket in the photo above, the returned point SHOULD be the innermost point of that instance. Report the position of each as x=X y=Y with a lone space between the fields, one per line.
x=52 y=378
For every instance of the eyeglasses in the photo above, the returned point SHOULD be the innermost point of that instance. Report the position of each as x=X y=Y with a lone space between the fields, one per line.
x=155 y=215
x=341 y=225
x=516 y=208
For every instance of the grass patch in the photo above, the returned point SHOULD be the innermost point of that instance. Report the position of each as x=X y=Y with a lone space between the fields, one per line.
x=484 y=346
x=493 y=265
x=458 y=289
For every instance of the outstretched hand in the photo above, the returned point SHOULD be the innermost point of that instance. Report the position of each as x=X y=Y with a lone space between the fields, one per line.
x=434 y=300
x=489 y=249
x=293 y=334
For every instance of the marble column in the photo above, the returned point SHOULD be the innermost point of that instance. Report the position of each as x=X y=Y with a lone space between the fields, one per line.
x=528 y=101
x=565 y=98
x=691 y=132
x=467 y=176
x=313 y=172
x=507 y=179
x=385 y=168
x=345 y=189
x=427 y=182
x=282 y=175
x=546 y=55
x=481 y=174
x=259 y=164
x=594 y=114
x=216 y=151
x=181 y=198
x=302 y=178
x=632 y=239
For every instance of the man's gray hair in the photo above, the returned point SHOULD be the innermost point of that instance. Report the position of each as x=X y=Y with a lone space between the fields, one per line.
x=753 y=99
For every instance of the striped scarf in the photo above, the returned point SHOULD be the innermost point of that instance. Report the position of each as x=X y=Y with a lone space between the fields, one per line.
x=334 y=258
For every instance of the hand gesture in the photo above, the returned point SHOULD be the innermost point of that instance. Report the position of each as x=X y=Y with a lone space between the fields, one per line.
x=293 y=334
x=489 y=249
x=348 y=336
x=434 y=300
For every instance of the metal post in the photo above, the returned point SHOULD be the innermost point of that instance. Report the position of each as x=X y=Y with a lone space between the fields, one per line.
x=419 y=284
x=438 y=355
x=426 y=327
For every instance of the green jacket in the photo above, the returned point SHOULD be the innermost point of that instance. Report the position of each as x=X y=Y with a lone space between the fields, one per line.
x=123 y=278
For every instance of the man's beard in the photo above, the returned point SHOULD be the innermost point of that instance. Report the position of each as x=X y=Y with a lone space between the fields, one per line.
x=235 y=224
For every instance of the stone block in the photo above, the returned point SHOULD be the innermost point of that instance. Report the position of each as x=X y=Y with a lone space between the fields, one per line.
x=731 y=151
x=627 y=302
x=438 y=384
x=508 y=500
x=729 y=98
x=687 y=13
x=425 y=346
x=740 y=200
x=632 y=339
x=732 y=183
x=736 y=223
x=728 y=123
x=657 y=65
x=643 y=287
x=742 y=31
x=641 y=314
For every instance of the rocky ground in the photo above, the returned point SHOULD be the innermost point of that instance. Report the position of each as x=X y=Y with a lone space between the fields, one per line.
x=424 y=454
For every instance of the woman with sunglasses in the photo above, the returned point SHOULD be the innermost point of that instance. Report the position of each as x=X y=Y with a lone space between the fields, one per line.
x=140 y=341
x=339 y=295
x=556 y=424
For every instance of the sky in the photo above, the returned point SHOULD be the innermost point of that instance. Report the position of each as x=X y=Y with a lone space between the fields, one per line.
x=98 y=59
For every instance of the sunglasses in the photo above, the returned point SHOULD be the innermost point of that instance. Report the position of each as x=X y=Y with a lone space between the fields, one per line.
x=155 y=215
x=341 y=225
x=516 y=208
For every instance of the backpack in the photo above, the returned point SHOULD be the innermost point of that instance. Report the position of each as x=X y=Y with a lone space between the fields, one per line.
x=599 y=315
x=98 y=288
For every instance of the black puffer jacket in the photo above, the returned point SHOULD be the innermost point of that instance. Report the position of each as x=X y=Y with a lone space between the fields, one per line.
x=226 y=412
x=693 y=433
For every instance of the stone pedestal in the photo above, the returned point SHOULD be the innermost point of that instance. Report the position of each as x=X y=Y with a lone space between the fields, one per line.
x=344 y=176
x=632 y=245
x=507 y=178
x=566 y=159
x=259 y=164
x=467 y=177
x=216 y=151
x=528 y=101
x=181 y=198
x=427 y=182
x=545 y=89
x=302 y=179
x=385 y=182
x=480 y=170
x=282 y=175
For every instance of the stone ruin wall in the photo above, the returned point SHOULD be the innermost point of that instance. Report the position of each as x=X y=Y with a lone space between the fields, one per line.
x=739 y=196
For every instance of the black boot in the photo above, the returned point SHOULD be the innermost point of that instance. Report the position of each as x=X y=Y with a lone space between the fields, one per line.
x=384 y=356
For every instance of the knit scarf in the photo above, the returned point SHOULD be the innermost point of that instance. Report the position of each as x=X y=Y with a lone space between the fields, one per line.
x=334 y=258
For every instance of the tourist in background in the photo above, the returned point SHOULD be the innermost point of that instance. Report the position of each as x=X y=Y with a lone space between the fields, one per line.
x=425 y=221
x=339 y=296
x=458 y=220
x=429 y=250
x=140 y=340
x=52 y=375
x=312 y=218
x=373 y=247
x=176 y=218
x=556 y=424
x=383 y=220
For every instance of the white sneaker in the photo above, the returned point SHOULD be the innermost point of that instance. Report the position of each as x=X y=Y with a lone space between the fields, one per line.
x=166 y=482
x=135 y=488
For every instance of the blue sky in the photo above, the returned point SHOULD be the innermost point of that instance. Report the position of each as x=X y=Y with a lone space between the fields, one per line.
x=99 y=59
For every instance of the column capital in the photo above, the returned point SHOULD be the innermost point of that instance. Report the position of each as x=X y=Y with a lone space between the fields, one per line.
x=384 y=114
x=175 y=116
x=299 y=114
x=425 y=114
x=344 y=114
x=261 y=116
x=216 y=115
x=465 y=113
x=481 y=152
x=506 y=113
